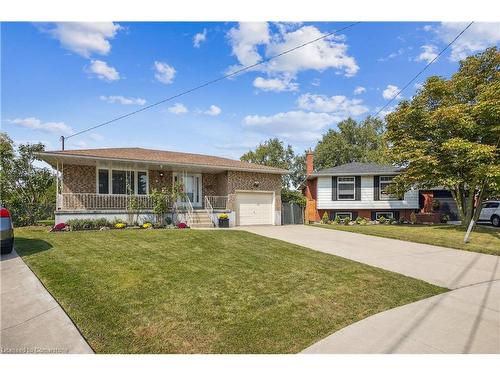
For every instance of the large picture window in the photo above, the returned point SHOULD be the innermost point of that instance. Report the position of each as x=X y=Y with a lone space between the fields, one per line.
x=142 y=183
x=384 y=183
x=345 y=188
x=103 y=181
x=115 y=181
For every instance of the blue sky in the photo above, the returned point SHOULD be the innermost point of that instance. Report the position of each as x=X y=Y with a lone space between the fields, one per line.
x=58 y=79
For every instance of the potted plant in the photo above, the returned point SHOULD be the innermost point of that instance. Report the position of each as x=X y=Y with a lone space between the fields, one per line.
x=223 y=221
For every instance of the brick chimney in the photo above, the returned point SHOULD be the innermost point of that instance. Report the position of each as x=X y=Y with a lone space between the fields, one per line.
x=309 y=162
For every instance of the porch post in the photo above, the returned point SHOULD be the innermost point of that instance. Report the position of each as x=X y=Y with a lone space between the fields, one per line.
x=57 y=186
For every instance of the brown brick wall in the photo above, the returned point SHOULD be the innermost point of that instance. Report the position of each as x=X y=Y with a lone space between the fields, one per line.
x=79 y=179
x=238 y=180
x=159 y=182
x=209 y=184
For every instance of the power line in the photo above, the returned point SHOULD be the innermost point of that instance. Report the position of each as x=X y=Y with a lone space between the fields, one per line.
x=423 y=70
x=209 y=82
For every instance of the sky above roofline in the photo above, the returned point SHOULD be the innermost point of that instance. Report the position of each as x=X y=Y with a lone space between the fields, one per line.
x=60 y=78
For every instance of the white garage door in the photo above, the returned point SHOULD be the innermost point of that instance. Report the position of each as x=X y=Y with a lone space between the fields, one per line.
x=254 y=208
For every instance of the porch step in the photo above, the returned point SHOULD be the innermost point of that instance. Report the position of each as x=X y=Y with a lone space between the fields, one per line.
x=201 y=220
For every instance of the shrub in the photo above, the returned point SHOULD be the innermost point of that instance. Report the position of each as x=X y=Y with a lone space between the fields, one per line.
x=337 y=220
x=223 y=216
x=120 y=225
x=75 y=224
x=168 y=220
x=102 y=222
x=325 y=218
x=182 y=226
x=445 y=218
x=147 y=225
x=359 y=220
x=413 y=218
x=382 y=220
x=346 y=221
x=392 y=221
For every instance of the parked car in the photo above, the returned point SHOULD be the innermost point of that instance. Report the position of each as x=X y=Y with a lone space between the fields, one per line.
x=490 y=211
x=6 y=231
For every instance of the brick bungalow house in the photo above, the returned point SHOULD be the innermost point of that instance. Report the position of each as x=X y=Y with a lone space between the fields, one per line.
x=97 y=183
x=358 y=189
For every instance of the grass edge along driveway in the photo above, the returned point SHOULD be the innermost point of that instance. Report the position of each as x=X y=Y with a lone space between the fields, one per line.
x=482 y=240
x=186 y=291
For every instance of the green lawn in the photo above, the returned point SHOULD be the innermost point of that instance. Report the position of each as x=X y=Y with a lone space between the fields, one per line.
x=188 y=291
x=482 y=240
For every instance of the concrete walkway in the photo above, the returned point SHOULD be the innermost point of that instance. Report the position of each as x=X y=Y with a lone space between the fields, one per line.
x=465 y=320
x=437 y=265
x=32 y=321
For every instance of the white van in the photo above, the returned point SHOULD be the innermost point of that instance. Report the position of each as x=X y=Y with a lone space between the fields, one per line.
x=490 y=211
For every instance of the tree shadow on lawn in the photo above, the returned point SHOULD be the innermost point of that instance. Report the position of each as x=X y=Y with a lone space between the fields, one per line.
x=29 y=246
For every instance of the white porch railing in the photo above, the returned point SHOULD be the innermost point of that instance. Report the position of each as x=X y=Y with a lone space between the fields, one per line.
x=210 y=210
x=88 y=201
x=185 y=205
x=92 y=201
x=218 y=202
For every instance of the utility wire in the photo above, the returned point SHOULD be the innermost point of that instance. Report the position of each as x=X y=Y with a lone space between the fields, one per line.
x=245 y=68
x=423 y=70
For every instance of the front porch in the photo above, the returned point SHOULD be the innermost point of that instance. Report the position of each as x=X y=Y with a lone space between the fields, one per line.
x=122 y=202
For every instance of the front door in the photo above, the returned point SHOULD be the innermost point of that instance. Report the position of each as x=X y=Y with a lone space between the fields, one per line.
x=191 y=185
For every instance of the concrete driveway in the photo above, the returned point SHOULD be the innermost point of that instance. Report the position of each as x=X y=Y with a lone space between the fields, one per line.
x=437 y=265
x=464 y=320
x=32 y=321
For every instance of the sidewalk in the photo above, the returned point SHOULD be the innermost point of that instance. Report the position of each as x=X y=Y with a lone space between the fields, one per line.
x=32 y=321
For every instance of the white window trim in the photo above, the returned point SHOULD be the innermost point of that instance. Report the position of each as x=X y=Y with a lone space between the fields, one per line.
x=353 y=188
x=110 y=180
x=387 y=215
x=380 y=196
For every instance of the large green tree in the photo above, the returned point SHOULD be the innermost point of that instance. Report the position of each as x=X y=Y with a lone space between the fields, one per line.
x=448 y=134
x=353 y=141
x=273 y=153
x=28 y=191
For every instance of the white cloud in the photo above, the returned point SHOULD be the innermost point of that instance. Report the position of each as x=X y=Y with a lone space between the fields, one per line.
x=245 y=38
x=164 y=73
x=316 y=82
x=392 y=55
x=359 y=90
x=103 y=71
x=390 y=91
x=295 y=125
x=429 y=53
x=338 y=104
x=35 y=124
x=477 y=38
x=321 y=55
x=123 y=100
x=178 y=109
x=427 y=28
x=199 y=38
x=251 y=42
x=275 y=84
x=85 y=38
x=213 y=110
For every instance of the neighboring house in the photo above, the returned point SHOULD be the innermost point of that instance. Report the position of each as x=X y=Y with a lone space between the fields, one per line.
x=359 y=189
x=98 y=183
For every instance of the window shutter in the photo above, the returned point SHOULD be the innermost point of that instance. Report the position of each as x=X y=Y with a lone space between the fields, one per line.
x=396 y=215
x=357 y=188
x=376 y=189
x=373 y=216
x=354 y=215
x=334 y=188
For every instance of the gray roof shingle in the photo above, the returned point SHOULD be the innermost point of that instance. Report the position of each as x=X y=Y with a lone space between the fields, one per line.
x=357 y=168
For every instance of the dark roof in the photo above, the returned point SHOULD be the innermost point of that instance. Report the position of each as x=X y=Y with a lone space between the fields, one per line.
x=358 y=168
x=182 y=158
